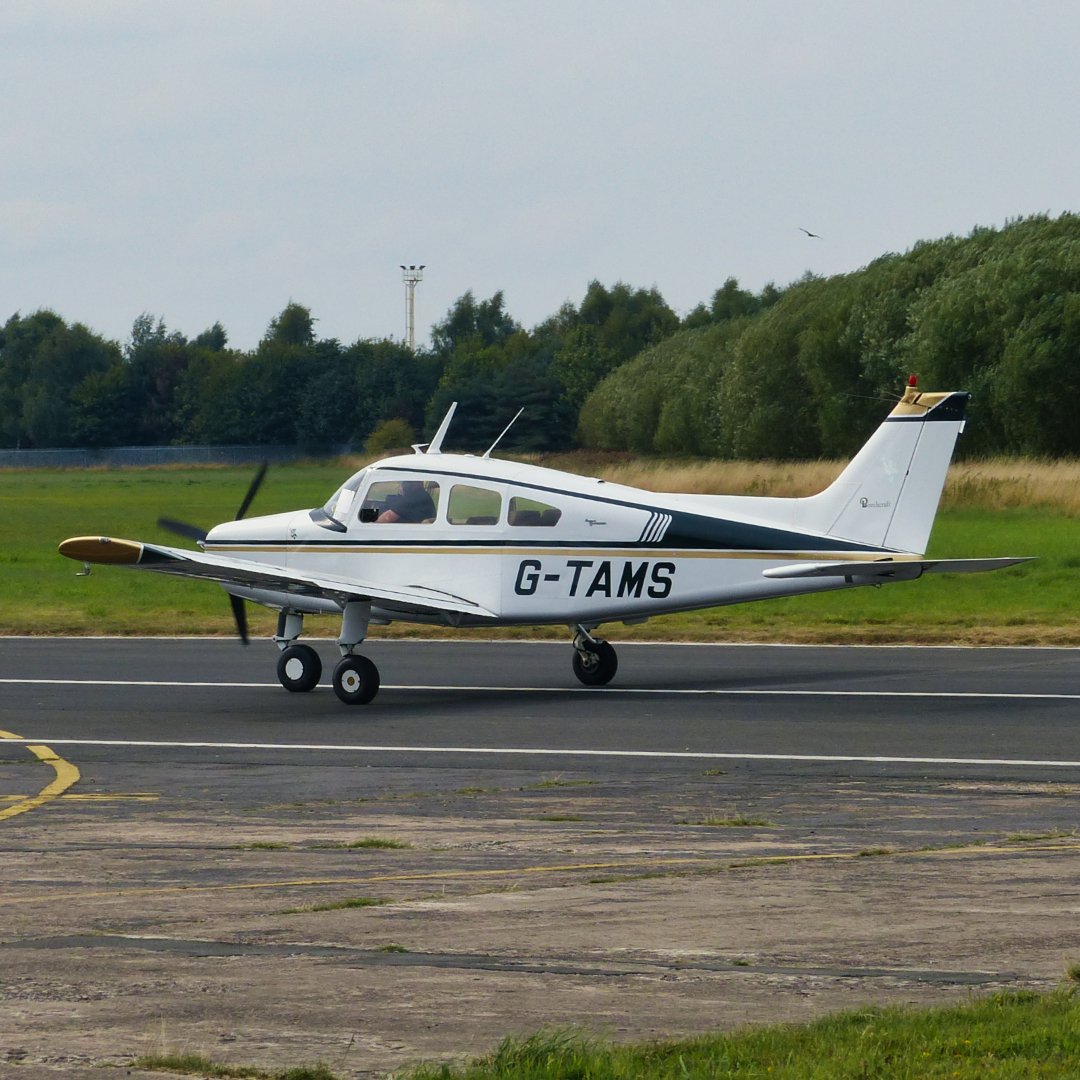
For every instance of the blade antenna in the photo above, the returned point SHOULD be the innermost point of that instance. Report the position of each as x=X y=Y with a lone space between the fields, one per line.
x=504 y=431
x=435 y=446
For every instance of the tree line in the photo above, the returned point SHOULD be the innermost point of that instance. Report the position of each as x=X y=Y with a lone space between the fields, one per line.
x=803 y=371
x=63 y=385
x=996 y=313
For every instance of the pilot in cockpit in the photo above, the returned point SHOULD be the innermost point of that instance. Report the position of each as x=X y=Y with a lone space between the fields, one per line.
x=413 y=504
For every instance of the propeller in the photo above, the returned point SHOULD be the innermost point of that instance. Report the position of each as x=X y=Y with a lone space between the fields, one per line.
x=193 y=532
x=240 y=617
x=253 y=487
x=182 y=528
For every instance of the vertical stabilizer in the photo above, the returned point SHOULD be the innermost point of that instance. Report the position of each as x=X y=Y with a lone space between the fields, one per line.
x=888 y=495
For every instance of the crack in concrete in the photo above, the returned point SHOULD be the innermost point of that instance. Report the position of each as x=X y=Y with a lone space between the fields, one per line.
x=485 y=962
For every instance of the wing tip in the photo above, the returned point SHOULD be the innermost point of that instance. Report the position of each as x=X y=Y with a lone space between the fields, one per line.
x=102 y=549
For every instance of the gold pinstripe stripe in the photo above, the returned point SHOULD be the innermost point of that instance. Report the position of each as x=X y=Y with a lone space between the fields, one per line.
x=626 y=553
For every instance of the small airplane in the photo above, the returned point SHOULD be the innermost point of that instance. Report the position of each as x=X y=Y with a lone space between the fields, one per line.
x=465 y=541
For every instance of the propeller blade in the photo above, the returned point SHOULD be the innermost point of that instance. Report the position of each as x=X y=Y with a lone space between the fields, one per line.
x=240 y=615
x=251 y=491
x=182 y=528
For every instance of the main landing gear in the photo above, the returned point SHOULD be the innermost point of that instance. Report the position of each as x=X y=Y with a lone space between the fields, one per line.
x=595 y=661
x=355 y=679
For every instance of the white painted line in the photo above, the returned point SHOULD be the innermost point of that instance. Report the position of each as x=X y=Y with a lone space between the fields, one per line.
x=981 y=695
x=141 y=682
x=231 y=640
x=542 y=751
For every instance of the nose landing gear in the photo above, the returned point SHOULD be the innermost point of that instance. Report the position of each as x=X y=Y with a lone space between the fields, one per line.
x=355 y=679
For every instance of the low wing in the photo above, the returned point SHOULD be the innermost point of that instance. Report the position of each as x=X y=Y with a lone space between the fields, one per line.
x=888 y=569
x=249 y=575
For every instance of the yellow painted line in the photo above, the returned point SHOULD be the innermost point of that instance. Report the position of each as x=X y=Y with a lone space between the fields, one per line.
x=722 y=863
x=134 y=796
x=374 y=879
x=66 y=776
x=120 y=796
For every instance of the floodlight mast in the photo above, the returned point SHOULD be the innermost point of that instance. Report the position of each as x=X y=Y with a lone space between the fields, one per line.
x=411 y=275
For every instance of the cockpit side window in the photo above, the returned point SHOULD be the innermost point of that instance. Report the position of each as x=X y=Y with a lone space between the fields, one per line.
x=410 y=502
x=473 y=505
x=529 y=512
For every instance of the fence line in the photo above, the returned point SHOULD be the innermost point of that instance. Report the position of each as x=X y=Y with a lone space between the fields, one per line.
x=141 y=456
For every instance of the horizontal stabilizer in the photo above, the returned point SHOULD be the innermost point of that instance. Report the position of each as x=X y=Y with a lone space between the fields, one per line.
x=868 y=571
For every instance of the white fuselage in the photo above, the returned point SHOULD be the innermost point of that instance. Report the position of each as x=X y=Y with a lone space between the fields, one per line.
x=548 y=547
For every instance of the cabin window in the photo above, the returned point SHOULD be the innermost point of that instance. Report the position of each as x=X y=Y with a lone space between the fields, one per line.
x=532 y=513
x=473 y=505
x=410 y=502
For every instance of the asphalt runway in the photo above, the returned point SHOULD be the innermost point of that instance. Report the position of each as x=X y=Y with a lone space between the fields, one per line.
x=193 y=858
x=780 y=710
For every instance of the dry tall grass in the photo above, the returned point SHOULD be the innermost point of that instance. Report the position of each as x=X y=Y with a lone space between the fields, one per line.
x=986 y=484
x=989 y=484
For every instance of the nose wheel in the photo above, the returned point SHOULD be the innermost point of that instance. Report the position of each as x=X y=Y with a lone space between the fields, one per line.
x=356 y=680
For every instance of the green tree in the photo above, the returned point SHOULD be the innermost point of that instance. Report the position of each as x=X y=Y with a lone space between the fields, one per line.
x=389 y=435
x=42 y=361
x=486 y=321
x=213 y=338
x=103 y=409
x=808 y=372
x=581 y=363
x=326 y=410
x=294 y=326
x=626 y=320
x=157 y=360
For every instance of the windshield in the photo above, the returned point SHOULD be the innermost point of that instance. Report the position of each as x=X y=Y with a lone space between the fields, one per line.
x=337 y=506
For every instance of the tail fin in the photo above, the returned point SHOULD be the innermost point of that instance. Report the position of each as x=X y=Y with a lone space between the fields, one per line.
x=888 y=495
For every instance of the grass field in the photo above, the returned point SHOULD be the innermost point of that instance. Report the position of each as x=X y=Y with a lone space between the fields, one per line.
x=1006 y=1036
x=989 y=508
x=1009 y=1036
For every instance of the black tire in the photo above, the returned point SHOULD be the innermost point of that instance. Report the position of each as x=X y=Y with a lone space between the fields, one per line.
x=356 y=680
x=299 y=668
x=597 y=665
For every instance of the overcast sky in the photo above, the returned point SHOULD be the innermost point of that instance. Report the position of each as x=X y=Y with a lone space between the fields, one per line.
x=211 y=161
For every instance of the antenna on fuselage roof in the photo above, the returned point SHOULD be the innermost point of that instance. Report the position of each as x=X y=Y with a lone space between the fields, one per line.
x=435 y=446
x=504 y=431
